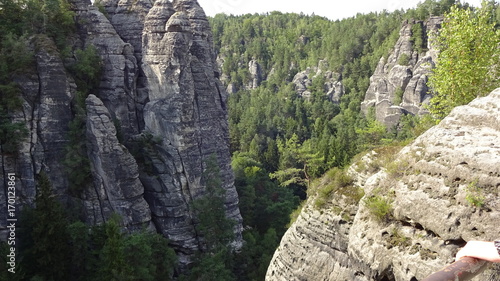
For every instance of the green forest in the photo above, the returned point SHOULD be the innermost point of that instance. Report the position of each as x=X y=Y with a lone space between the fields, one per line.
x=280 y=142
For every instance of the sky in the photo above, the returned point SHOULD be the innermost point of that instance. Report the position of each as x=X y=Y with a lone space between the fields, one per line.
x=332 y=9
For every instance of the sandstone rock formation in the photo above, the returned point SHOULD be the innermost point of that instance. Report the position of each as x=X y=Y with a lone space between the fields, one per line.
x=332 y=85
x=46 y=112
x=158 y=115
x=186 y=111
x=398 y=85
x=442 y=189
x=256 y=74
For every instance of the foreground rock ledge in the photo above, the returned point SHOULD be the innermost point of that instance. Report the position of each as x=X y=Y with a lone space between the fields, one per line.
x=437 y=178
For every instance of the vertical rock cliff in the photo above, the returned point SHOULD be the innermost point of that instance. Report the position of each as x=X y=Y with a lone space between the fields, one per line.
x=441 y=190
x=157 y=115
x=186 y=111
x=398 y=85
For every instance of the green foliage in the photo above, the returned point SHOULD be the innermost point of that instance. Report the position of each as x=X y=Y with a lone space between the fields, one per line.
x=213 y=262
x=137 y=256
x=256 y=254
x=417 y=38
x=474 y=194
x=398 y=239
x=379 y=206
x=51 y=17
x=295 y=155
x=372 y=134
x=398 y=168
x=76 y=160
x=431 y=8
x=274 y=132
x=213 y=225
x=211 y=267
x=11 y=134
x=467 y=66
x=336 y=182
x=398 y=96
x=404 y=59
x=45 y=236
x=101 y=252
x=265 y=208
x=87 y=69
x=288 y=43
x=14 y=58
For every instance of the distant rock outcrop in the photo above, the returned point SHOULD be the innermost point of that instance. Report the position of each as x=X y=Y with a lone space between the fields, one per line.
x=331 y=84
x=442 y=190
x=256 y=74
x=399 y=84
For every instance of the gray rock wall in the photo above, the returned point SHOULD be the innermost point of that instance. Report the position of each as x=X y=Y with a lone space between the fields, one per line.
x=186 y=111
x=158 y=114
x=47 y=93
x=430 y=185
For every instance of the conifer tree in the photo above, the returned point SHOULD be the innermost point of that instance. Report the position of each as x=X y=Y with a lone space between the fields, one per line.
x=216 y=230
x=49 y=255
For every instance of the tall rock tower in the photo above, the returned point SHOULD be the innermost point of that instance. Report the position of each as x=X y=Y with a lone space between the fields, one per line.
x=157 y=116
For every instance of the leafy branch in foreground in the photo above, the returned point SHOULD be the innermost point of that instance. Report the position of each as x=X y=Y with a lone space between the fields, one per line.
x=467 y=66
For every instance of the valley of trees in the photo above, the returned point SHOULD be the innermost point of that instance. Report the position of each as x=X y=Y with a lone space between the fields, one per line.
x=286 y=140
x=280 y=141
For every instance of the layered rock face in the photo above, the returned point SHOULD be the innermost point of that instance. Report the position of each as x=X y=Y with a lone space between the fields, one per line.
x=442 y=189
x=187 y=113
x=117 y=188
x=159 y=94
x=46 y=112
x=398 y=85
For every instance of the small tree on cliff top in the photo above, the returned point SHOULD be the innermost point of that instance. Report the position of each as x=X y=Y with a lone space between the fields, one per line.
x=467 y=66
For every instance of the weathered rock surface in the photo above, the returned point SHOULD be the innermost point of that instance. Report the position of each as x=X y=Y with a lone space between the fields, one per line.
x=118 y=87
x=430 y=185
x=46 y=112
x=159 y=97
x=187 y=113
x=116 y=188
x=398 y=85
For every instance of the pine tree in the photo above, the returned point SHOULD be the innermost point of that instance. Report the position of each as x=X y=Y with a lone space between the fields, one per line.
x=213 y=262
x=50 y=253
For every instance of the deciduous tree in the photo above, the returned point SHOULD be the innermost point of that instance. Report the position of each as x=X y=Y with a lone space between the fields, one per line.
x=467 y=66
